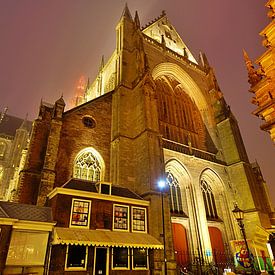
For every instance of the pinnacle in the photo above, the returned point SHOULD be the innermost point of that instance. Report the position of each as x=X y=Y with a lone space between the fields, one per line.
x=126 y=13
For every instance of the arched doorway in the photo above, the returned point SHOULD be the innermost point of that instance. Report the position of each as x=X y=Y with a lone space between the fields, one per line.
x=180 y=244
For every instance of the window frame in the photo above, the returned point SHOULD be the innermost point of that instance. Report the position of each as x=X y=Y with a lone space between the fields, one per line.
x=145 y=219
x=128 y=218
x=75 y=268
x=128 y=257
x=147 y=260
x=88 y=214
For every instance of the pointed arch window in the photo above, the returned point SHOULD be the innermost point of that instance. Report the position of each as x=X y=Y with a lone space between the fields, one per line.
x=209 y=200
x=87 y=166
x=175 y=194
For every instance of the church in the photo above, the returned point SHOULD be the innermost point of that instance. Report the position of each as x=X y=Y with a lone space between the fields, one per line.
x=154 y=114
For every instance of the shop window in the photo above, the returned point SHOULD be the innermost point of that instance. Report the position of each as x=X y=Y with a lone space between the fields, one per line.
x=138 y=219
x=27 y=248
x=140 y=258
x=120 y=258
x=121 y=217
x=76 y=257
x=80 y=213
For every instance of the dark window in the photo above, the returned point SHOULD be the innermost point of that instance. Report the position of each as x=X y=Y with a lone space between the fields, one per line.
x=120 y=258
x=140 y=258
x=209 y=201
x=105 y=189
x=175 y=194
x=88 y=122
x=76 y=256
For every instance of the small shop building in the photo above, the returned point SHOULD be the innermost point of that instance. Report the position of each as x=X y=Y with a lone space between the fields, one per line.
x=101 y=229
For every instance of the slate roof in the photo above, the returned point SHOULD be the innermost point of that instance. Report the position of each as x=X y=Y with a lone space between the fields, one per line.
x=10 y=124
x=25 y=212
x=89 y=186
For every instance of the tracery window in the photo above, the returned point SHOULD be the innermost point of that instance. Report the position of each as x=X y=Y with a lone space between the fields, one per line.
x=87 y=166
x=175 y=194
x=209 y=200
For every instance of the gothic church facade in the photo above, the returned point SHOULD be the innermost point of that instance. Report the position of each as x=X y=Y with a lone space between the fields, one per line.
x=153 y=113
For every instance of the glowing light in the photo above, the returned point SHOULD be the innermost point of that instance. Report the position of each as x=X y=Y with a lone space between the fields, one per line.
x=161 y=184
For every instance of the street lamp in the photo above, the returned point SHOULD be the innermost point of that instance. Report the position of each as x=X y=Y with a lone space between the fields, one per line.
x=239 y=216
x=161 y=185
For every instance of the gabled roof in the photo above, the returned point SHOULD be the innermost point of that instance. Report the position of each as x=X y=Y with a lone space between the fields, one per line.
x=25 y=212
x=160 y=29
x=90 y=186
x=10 y=124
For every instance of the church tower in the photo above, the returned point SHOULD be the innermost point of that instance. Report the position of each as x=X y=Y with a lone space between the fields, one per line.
x=153 y=113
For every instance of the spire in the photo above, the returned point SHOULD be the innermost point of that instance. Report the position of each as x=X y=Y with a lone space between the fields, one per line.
x=24 y=125
x=204 y=61
x=253 y=76
x=126 y=13
x=88 y=85
x=60 y=101
x=137 y=22
x=102 y=63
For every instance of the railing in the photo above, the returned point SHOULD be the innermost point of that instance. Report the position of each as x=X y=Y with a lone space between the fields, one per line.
x=204 y=263
x=188 y=150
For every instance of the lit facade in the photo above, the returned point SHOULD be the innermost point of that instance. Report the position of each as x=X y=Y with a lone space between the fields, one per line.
x=262 y=79
x=153 y=112
x=14 y=137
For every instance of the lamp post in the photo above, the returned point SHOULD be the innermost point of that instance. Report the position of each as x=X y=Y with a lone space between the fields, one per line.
x=161 y=185
x=239 y=216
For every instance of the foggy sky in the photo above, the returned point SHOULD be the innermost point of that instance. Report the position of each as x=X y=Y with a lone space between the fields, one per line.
x=46 y=45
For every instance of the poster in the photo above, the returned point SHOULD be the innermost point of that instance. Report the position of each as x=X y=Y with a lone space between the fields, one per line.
x=258 y=259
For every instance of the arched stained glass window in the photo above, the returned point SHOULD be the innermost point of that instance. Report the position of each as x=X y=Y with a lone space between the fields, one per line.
x=209 y=200
x=87 y=166
x=175 y=194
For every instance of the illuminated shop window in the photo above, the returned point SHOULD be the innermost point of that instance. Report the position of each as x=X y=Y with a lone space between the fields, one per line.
x=121 y=217
x=175 y=193
x=76 y=257
x=120 y=258
x=27 y=248
x=80 y=213
x=88 y=166
x=140 y=258
x=138 y=219
x=209 y=201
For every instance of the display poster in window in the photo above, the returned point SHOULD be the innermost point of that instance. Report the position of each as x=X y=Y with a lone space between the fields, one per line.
x=138 y=219
x=121 y=217
x=80 y=213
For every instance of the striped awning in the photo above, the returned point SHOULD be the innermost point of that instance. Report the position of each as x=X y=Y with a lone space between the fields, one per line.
x=104 y=238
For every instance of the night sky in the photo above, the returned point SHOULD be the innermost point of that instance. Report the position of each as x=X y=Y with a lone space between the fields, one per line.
x=46 y=45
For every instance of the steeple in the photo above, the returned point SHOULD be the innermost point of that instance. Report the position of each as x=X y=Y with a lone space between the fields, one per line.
x=137 y=22
x=253 y=76
x=102 y=63
x=204 y=61
x=126 y=13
